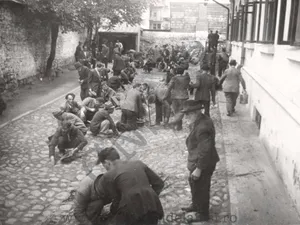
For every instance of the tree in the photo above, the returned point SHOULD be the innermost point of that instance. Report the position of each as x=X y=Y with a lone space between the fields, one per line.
x=73 y=15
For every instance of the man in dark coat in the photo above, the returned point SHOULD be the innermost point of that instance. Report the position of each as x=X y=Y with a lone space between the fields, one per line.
x=94 y=81
x=83 y=73
x=178 y=88
x=79 y=54
x=205 y=88
x=134 y=187
x=118 y=65
x=105 y=55
x=210 y=40
x=202 y=158
x=66 y=136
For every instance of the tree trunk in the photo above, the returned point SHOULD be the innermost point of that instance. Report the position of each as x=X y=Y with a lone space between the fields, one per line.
x=54 y=35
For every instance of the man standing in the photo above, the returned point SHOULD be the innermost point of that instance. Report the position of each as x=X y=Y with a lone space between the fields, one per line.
x=118 y=65
x=232 y=78
x=79 y=52
x=131 y=107
x=202 y=159
x=223 y=59
x=134 y=187
x=205 y=87
x=94 y=81
x=83 y=72
x=210 y=40
x=178 y=87
x=215 y=40
x=105 y=54
x=102 y=122
x=66 y=136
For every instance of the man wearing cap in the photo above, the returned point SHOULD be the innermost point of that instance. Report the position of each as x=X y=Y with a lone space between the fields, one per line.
x=88 y=205
x=178 y=88
x=66 y=136
x=83 y=72
x=102 y=122
x=94 y=81
x=202 y=158
x=205 y=88
x=75 y=120
x=134 y=187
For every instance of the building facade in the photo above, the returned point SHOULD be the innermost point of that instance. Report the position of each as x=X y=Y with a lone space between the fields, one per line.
x=160 y=16
x=266 y=41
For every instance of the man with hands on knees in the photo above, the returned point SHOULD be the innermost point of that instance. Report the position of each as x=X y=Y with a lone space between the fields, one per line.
x=202 y=158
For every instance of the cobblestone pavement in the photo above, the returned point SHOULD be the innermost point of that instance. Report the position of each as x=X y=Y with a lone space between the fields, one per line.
x=32 y=191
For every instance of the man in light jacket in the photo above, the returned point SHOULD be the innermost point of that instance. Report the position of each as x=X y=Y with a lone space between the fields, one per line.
x=232 y=78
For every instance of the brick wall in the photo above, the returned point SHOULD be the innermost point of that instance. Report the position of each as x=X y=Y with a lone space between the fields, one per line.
x=25 y=45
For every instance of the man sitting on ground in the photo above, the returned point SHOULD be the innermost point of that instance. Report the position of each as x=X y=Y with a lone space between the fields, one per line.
x=91 y=106
x=67 y=136
x=102 y=122
x=108 y=94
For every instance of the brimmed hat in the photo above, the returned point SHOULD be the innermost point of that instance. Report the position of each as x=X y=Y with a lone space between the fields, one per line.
x=57 y=113
x=73 y=95
x=191 y=105
x=77 y=65
x=108 y=105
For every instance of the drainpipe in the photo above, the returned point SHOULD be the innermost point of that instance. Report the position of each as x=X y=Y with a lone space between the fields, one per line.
x=228 y=12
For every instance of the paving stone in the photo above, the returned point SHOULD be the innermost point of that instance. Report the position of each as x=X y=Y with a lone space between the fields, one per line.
x=9 y=203
x=11 y=221
x=36 y=193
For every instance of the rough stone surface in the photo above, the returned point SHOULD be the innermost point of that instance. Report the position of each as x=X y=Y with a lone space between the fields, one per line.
x=43 y=194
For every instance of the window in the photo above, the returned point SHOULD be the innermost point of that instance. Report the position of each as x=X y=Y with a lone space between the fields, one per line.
x=154 y=26
x=255 y=21
x=158 y=27
x=289 y=23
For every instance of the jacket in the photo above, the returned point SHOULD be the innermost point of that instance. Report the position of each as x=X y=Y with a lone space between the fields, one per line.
x=84 y=76
x=73 y=134
x=105 y=51
x=232 y=78
x=94 y=80
x=205 y=84
x=133 y=101
x=200 y=143
x=75 y=120
x=178 y=87
x=119 y=63
x=87 y=203
x=135 y=189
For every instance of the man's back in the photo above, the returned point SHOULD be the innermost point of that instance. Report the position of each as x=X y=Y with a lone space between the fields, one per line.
x=180 y=85
x=232 y=80
x=132 y=101
x=136 y=187
x=206 y=82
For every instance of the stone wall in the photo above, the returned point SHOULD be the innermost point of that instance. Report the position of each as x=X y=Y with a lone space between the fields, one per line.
x=25 y=43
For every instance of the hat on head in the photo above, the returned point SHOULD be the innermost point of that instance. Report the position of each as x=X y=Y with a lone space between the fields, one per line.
x=57 y=113
x=108 y=105
x=191 y=105
x=73 y=95
x=77 y=65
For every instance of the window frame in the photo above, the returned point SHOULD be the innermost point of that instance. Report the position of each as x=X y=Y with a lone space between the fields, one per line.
x=292 y=29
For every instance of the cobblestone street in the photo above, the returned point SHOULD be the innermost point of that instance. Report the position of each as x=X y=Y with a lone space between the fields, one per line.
x=32 y=191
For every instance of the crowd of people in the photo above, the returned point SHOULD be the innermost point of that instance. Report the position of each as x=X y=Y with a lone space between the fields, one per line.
x=130 y=187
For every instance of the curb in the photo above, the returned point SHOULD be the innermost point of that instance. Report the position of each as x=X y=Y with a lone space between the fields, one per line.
x=34 y=110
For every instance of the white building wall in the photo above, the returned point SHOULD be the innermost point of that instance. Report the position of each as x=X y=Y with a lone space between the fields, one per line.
x=272 y=75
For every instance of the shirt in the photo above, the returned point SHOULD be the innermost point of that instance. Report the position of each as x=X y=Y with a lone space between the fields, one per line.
x=98 y=118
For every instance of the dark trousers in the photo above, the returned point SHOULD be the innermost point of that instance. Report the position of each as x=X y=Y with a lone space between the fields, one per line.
x=117 y=72
x=128 y=120
x=105 y=61
x=64 y=143
x=163 y=111
x=151 y=218
x=84 y=92
x=222 y=68
x=206 y=105
x=200 y=190
x=231 y=98
x=177 y=105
